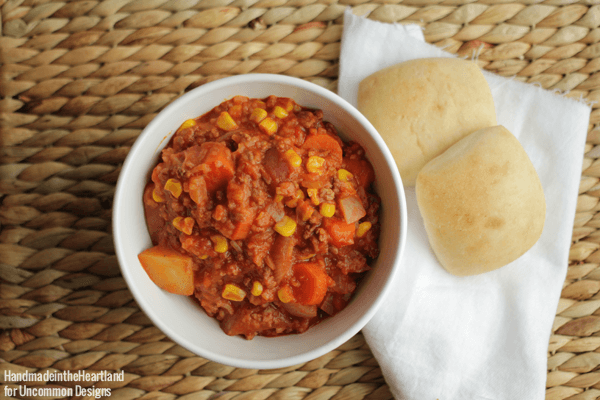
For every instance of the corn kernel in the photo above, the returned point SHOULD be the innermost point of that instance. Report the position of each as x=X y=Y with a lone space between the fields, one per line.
x=185 y=225
x=177 y=222
x=225 y=122
x=233 y=293
x=363 y=228
x=257 y=288
x=220 y=243
x=278 y=198
x=187 y=124
x=174 y=187
x=157 y=197
x=344 y=175
x=285 y=294
x=286 y=226
x=314 y=196
x=327 y=210
x=280 y=112
x=293 y=158
x=258 y=114
x=314 y=164
x=203 y=257
x=268 y=126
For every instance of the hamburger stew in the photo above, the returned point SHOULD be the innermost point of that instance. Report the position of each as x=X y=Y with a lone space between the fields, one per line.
x=259 y=211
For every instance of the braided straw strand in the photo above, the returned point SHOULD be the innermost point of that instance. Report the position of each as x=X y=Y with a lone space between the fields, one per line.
x=81 y=79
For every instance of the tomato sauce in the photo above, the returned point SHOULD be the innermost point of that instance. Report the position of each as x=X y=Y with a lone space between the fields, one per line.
x=273 y=215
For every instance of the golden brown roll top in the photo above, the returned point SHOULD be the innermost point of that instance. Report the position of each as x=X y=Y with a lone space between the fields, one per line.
x=482 y=202
x=422 y=107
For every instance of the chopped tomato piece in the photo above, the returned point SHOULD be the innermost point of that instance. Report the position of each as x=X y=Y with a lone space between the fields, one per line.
x=169 y=269
x=281 y=254
x=153 y=218
x=277 y=166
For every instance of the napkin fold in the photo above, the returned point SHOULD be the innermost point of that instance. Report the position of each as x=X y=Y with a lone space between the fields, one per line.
x=438 y=336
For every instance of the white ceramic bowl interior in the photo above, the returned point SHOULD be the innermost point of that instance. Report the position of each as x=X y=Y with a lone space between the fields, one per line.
x=183 y=320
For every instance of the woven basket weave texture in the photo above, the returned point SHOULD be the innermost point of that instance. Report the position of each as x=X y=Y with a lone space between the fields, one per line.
x=79 y=80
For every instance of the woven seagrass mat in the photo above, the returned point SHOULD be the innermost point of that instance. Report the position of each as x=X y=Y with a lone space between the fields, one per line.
x=81 y=79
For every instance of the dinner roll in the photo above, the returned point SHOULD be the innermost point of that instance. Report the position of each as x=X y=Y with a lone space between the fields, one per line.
x=422 y=107
x=482 y=202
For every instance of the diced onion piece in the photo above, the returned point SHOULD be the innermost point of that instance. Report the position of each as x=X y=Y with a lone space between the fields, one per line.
x=314 y=196
x=257 y=288
x=233 y=293
x=220 y=243
x=289 y=106
x=276 y=211
x=157 y=197
x=285 y=227
x=327 y=210
x=258 y=114
x=344 y=175
x=314 y=164
x=173 y=186
x=188 y=124
x=306 y=256
x=352 y=209
x=285 y=294
x=293 y=158
x=301 y=310
x=293 y=202
x=235 y=111
x=185 y=225
x=280 y=112
x=268 y=126
x=363 y=228
x=226 y=122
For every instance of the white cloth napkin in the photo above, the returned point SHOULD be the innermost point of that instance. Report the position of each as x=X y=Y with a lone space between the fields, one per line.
x=438 y=336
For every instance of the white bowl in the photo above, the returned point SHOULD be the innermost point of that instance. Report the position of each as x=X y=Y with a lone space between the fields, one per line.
x=183 y=320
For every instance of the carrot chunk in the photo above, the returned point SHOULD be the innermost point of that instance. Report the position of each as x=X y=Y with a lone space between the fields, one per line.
x=341 y=233
x=220 y=165
x=313 y=283
x=169 y=269
x=361 y=169
x=327 y=143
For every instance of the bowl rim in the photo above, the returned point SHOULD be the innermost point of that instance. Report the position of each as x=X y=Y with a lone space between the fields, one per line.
x=329 y=96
